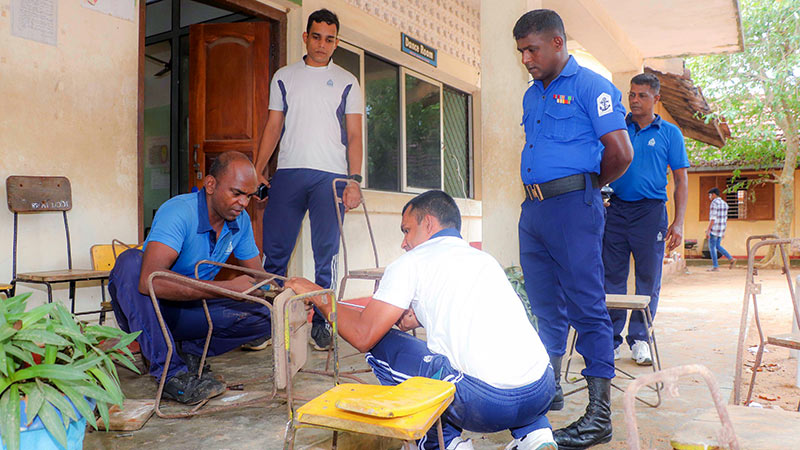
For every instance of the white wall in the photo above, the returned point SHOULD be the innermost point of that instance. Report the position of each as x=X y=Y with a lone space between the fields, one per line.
x=70 y=110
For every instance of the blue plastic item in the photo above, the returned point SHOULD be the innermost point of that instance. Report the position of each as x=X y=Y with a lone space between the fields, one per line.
x=36 y=436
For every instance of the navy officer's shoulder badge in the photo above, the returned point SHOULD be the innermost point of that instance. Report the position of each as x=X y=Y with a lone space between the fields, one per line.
x=604 y=104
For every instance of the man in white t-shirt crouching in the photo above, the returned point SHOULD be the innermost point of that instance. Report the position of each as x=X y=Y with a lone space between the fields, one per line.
x=473 y=320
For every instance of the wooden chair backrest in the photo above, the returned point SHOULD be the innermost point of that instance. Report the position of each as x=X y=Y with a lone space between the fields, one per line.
x=29 y=194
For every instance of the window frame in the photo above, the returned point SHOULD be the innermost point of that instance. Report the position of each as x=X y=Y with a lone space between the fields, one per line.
x=741 y=205
x=360 y=52
x=404 y=138
x=404 y=188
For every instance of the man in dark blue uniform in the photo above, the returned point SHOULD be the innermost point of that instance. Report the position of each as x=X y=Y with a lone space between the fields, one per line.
x=575 y=142
x=637 y=217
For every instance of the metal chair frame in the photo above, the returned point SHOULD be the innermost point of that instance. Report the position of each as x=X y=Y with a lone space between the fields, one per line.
x=294 y=425
x=50 y=205
x=264 y=279
x=366 y=274
x=652 y=343
x=669 y=378
x=751 y=290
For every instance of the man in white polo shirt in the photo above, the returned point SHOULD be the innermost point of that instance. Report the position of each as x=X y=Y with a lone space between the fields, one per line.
x=316 y=110
x=473 y=320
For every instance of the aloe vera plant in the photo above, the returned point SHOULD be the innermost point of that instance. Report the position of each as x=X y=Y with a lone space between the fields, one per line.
x=47 y=356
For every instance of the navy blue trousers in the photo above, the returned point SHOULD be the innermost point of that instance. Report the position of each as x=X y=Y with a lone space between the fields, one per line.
x=291 y=194
x=477 y=406
x=560 y=246
x=235 y=322
x=637 y=228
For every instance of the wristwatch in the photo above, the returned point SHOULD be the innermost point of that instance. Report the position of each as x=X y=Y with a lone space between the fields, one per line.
x=356 y=177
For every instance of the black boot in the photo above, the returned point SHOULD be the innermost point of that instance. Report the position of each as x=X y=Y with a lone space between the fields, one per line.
x=558 y=399
x=594 y=427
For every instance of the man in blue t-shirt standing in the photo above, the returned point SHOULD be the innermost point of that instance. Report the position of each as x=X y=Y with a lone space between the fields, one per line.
x=210 y=224
x=636 y=220
x=575 y=142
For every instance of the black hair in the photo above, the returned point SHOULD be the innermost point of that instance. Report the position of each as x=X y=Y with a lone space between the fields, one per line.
x=323 y=15
x=221 y=163
x=715 y=191
x=647 y=79
x=437 y=204
x=538 y=21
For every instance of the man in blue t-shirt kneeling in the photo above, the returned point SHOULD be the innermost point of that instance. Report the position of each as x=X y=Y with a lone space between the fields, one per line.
x=210 y=224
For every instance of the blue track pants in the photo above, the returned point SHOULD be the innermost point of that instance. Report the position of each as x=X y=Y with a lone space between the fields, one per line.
x=477 y=406
x=292 y=193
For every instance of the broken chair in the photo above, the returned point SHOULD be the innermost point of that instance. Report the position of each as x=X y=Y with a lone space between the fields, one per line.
x=752 y=289
x=289 y=336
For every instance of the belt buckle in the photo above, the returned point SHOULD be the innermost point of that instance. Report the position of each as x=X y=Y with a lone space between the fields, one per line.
x=534 y=191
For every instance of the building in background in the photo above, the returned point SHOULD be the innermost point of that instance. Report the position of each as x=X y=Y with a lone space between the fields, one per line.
x=133 y=107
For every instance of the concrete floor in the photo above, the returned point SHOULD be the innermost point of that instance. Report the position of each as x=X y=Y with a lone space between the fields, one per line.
x=697 y=322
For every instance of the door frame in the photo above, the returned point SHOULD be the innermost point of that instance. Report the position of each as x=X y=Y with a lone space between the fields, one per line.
x=278 y=59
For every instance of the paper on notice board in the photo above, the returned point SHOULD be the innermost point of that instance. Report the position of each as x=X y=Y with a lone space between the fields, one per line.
x=124 y=9
x=36 y=20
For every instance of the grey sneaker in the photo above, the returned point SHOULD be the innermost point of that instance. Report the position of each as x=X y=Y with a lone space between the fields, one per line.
x=257 y=344
x=617 y=353
x=321 y=336
x=640 y=352
x=186 y=388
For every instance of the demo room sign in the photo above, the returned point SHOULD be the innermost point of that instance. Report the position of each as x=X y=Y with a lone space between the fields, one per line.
x=417 y=49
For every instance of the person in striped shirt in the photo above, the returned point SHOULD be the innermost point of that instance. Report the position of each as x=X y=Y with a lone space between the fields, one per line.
x=717 y=222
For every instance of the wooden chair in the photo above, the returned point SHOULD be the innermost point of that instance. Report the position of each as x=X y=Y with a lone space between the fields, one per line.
x=751 y=291
x=104 y=256
x=406 y=411
x=34 y=195
x=628 y=303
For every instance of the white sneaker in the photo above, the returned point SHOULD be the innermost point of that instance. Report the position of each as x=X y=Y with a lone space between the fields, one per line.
x=460 y=443
x=541 y=439
x=617 y=353
x=640 y=352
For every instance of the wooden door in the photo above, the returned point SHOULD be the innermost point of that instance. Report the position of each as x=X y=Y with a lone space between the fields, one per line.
x=228 y=97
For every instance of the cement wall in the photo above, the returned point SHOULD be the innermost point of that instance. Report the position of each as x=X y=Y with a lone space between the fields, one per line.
x=70 y=110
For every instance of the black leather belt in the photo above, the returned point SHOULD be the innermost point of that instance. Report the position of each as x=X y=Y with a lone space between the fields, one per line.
x=559 y=186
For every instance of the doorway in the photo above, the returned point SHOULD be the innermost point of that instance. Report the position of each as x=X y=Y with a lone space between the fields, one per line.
x=166 y=159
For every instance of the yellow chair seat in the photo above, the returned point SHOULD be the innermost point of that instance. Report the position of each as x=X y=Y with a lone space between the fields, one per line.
x=5 y=287
x=406 y=411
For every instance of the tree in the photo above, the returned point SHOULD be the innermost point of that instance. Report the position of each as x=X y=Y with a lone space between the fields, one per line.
x=757 y=92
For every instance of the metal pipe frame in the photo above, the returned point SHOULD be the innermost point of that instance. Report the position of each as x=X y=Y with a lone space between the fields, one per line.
x=669 y=378
x=293 y=427
x=221 y=292
x=347 y=276
x=751 y=290
x=652 y=343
